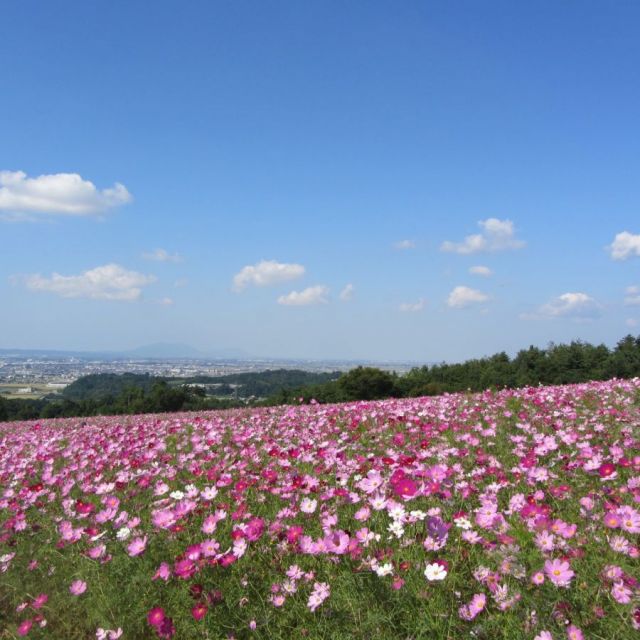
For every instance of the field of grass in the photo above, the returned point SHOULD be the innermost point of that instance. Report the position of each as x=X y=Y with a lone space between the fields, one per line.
x=10 y=390
x=501 y=515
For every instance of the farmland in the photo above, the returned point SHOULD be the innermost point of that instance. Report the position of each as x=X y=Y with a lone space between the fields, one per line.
x=503 y=514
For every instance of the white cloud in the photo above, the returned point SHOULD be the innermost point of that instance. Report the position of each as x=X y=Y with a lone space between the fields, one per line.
x=308 y=296
x=162 y=255
x=109 y=282
x=347 y=293
x=464 y=296
x=633 y=296
x=403 y=245
x=166 y=302
x=624 y=246
x=496 y=235
x=579 y=306
x=413 y=307
x=60 y=193
x=181 y=282
x=631 y=322
x=480 y=271
x=266 y=273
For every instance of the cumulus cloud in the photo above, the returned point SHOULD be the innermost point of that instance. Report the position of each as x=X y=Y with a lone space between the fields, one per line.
x=480 y=271
x=413 y=307
x=108 y=282
x=162 y=255
x=166 y=302
x=306 y=297
x=266 y=273
x=633 y=296
x=56 y=194
x=347 y=293
x=578 y=306
x=631 y=322
x=625 y=245
x=462 y=297
x=403 y=245
x=496 y=235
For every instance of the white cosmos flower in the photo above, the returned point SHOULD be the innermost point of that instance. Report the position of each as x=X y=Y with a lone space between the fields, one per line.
x=385 y=569
x=463 y=523
x=435 y=571
x=123 y=533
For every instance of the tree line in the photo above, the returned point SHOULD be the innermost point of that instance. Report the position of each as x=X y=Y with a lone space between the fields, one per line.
x=570 y=363
x=111 y=394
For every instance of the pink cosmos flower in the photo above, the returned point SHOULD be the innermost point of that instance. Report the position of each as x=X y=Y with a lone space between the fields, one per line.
x=336 y=542
x=277 y=600
x=559 y=572
x=537 y=577
x=574 y=633
x=24 y=627
x=209 y=524
x=621 y=593
x=209 y=548
x=40 y=601
x=163 y=572
x=96 y=552
x=320 y=593
x=295 y=572
x=471 y=610
x=544 y=635
x=184 y=569
x=612 y=520
x=163 y=518
x=362 y=514
x=78 y=587
x=629 y=519
x=137 y=546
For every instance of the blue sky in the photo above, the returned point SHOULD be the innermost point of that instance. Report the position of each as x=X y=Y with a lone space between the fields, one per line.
x=300 y=147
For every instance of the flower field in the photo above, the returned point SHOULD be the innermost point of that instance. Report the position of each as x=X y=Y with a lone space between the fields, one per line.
x=512 y=514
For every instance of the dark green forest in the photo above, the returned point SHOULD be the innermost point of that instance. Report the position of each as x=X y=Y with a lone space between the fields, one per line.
x=111 y=394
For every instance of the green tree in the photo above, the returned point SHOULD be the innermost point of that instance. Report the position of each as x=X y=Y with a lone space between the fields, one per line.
x=367 y=383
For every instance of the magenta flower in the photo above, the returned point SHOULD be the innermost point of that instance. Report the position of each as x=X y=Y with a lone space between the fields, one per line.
x=199 y=611
x=155 y=616
x=24 y=627
x=559 y=572
x=40 y=601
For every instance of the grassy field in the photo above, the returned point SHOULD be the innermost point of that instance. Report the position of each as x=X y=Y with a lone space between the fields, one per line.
x=10 y=390
x=484 y=516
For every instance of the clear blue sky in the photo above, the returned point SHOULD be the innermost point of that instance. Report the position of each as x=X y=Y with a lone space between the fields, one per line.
x=336 y=143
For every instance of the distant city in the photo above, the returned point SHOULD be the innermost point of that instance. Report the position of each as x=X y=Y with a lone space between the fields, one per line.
x=37 y=373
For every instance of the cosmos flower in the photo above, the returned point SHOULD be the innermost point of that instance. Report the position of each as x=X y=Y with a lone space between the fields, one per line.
x=78 y=587
x=435 y=571
x=559 y=572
